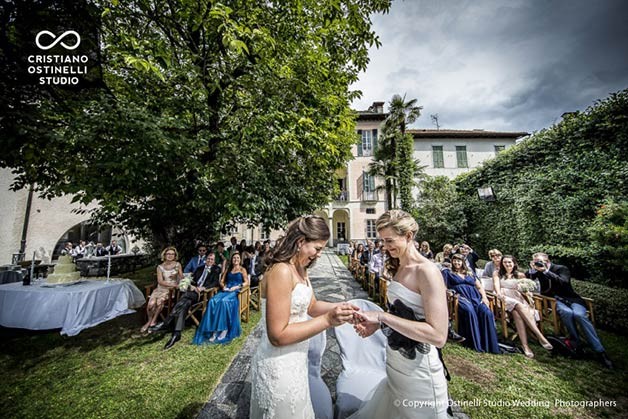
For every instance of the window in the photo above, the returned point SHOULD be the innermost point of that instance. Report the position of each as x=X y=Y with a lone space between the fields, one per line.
x=461 y=156
x=371 y=233
x=499 y=149
x=370 y=210
x=367 y=143
x=437 y=156
x=265 y=234
x=368 y=187
x=340 y=229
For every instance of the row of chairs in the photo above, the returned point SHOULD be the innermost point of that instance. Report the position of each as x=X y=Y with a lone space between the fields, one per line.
x=545 y=307
x=547 y=315
x=368 y=281
x=197 y=311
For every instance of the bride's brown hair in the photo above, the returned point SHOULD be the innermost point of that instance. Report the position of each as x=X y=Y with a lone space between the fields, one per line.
x=401 y=222
x=310 y=228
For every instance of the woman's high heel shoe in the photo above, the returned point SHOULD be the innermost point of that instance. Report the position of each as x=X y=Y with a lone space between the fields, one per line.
x=529 y=354
x=547 y=346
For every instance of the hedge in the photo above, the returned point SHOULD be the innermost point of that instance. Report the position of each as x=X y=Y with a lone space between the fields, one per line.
x=553 y=190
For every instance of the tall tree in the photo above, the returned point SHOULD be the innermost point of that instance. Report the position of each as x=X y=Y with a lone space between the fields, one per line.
x=212 y=114
x=394 y=160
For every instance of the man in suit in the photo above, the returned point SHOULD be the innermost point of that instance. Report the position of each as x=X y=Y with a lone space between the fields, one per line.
x=100 y=250
x=198 y=260
x=555 y=282
x=205 y=276
x=234 y=246
x=471 y=257
x=113 y=248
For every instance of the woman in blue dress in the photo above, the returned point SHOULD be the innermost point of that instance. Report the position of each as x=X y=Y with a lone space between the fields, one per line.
x=221 y=322
x=476 y=321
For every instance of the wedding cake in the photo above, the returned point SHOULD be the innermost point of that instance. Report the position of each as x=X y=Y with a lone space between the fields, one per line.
x=65 y=271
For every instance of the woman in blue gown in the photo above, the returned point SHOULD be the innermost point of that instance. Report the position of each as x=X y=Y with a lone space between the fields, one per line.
x=475 y=319
x=221 y=322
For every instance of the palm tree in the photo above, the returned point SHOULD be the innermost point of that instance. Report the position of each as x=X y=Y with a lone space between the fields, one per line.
x=393 y=158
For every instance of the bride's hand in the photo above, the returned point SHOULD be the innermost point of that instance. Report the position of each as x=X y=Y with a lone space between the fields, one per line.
x=340 y=314
x=367 y=317
x=366 y=329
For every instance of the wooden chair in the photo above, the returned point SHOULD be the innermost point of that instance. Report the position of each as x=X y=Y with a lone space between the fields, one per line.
x=172 y=299
x=383 y=293
x=546 y=306
x=452 y=307
x=371 y=285
x=197 y=311
x=244 y=300
x=255 y=298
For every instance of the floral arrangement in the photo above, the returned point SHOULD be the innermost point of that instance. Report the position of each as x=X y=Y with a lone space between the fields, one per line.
x=526 y=285
x=185 y=283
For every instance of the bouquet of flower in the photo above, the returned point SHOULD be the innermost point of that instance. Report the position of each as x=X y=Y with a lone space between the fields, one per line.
x=185 y=283
x=526 y=285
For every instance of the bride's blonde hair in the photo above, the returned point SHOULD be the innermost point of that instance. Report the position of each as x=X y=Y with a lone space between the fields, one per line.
x=401 y=223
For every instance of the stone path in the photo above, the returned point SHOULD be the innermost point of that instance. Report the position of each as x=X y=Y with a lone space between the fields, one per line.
x=332 y=282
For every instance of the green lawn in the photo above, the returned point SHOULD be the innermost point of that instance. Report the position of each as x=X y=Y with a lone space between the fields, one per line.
x=492 y=385
x=110 y=371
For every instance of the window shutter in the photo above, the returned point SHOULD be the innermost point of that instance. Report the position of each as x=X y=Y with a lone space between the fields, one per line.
x=372 y=183
x=360 y=143
x=374 y=140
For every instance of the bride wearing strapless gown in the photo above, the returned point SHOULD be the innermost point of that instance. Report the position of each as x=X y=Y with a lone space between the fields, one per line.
x=415 y=385
x=279 y=369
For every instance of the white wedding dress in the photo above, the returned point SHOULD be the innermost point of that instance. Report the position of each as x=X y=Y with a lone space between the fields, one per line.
x=280 y=387
x=413 y=388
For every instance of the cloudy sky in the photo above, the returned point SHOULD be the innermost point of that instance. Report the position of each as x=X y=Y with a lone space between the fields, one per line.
x=514 y=65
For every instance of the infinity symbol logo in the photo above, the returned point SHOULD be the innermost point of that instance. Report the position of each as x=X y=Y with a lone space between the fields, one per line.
x=58 y=40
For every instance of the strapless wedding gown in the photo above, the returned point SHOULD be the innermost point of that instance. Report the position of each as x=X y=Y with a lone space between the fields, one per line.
x=280 y=387
x=413 y=388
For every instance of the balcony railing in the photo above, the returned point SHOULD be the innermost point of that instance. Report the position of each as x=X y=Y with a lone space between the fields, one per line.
x=369 y=196
x=342 y=196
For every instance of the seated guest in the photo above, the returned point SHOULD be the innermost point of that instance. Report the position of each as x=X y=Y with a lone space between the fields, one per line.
x=355 y=257
x=491 y=266
x=471 y=258
x=80 y=250
x=425 y=250
x=68 y=249
x=476 y=322
x=221 y=322
x=376 y=266
x=367 y=255
x=198 y=260
x=205 y=277
x=555 y=281
x=445 y=255
x=222 y=255
x=114 y=248
x=100 y=250
x=256 y=267
x=169 y=273
x=505 y=281
x=234 y=247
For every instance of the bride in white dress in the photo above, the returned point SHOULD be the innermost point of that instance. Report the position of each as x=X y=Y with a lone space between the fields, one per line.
x=279 y=370
x=415 y=385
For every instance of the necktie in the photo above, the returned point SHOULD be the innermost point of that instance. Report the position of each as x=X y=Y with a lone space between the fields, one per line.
x=201 y=281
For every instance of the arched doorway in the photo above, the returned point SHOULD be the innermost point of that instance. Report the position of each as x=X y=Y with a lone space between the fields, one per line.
x=90 y=233
x=341 y=225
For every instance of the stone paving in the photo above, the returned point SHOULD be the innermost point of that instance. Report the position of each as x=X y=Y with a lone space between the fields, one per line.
x=332 y=282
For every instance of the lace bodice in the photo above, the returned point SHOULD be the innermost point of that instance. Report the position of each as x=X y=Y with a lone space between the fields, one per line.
x=280 y=381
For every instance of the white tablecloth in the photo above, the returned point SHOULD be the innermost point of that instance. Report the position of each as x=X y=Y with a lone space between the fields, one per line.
x=71 y=308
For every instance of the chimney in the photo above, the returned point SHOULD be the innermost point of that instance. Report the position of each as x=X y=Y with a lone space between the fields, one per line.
x=378 y=107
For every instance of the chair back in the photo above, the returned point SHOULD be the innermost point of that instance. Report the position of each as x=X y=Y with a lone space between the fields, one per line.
x=357 y=352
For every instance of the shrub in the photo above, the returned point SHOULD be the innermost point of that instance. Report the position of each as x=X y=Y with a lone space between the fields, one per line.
x=609 y=305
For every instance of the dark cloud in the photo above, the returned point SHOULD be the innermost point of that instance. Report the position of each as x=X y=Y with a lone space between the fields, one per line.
x=515 y=65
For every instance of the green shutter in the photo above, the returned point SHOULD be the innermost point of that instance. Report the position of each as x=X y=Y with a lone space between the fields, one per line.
x=374 y=141
x=360 y=142
x=461 y=156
